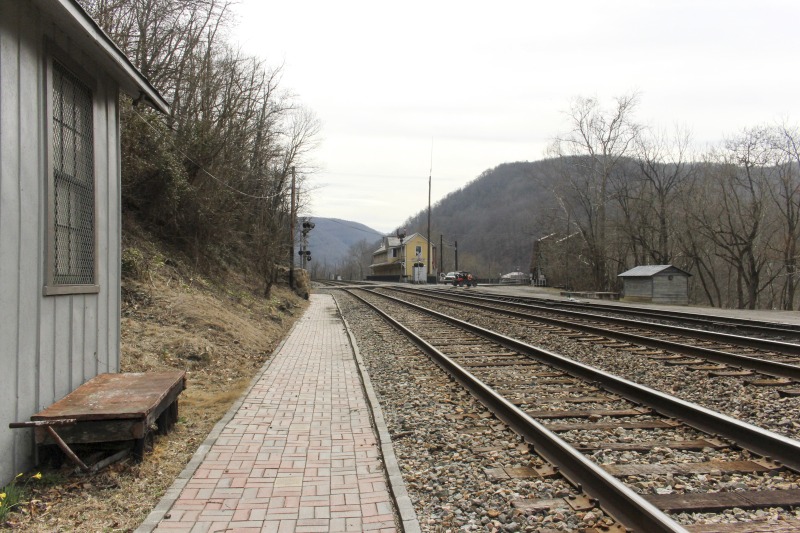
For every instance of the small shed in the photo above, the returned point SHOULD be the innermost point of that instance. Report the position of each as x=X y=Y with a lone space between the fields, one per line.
x=658 y=284
x=60 y=223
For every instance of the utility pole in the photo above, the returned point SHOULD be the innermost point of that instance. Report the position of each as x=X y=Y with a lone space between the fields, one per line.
x=430 y=260
x=441 y=253
x=291 y=236
x=401 y=234
x=455 y=245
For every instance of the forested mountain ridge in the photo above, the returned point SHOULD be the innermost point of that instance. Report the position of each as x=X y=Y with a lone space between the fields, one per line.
x=331 y=242
x=494 y=219
x=733 y=222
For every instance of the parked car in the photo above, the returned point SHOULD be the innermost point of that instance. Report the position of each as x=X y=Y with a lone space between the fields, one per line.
x=449 y=277
x=464 y=278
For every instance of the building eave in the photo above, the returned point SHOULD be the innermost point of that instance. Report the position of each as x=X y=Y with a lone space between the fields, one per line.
x=73 y=20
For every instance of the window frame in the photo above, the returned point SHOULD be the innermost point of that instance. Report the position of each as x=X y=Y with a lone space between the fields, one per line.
x=51 y=288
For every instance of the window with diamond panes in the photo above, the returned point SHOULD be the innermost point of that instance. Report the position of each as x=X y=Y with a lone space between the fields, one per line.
x=73 y=180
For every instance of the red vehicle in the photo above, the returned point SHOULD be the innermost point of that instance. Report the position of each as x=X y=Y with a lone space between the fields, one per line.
x=464 y=278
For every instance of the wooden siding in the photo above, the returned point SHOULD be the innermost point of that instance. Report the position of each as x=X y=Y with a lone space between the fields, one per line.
x=639 y=289
x=51 y=344
x=671 y=291
x=658 y=289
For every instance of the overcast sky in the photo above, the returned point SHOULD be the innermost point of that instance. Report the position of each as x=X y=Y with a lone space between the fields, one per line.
x=487 y=83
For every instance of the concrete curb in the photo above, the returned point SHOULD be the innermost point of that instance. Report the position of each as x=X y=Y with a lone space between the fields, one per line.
x=397 y=486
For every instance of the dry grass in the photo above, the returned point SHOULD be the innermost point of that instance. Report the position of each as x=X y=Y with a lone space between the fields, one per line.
x=221 y=334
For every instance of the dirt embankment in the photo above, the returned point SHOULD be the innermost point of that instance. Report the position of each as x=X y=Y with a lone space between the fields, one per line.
x=220 y=331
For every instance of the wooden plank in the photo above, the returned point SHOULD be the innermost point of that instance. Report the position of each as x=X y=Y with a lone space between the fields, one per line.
x=686 y=468
x=521 y=472
x=89 y=431
x=574 y=399
x=10 y=222
x=590 y=426
x=729 y=373
x=698 y=444
x=535 y=400
x=718 y=501
x=708 y=367
x=556 y=380
x=768 y=382
x=782 y=526
x=479 y=364
x=486 y=354
x=30 y=195
x=585 y=413
x=540 y=505
x=684 y=362
x=116 y=396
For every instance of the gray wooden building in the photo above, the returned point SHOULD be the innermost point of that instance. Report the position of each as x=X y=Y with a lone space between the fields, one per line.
x=60 y=80
x=658 y=284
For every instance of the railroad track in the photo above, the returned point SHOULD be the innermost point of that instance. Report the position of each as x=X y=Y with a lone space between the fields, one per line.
x=789 y=332
x=540 y=393
x=778 y=362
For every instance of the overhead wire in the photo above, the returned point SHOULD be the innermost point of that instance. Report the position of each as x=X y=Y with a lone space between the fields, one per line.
x=200 y=167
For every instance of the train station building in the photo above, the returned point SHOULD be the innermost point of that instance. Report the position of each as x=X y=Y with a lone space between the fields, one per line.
x=404 y=259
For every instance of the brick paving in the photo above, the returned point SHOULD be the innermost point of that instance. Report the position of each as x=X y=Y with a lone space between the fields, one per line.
x=298 y=455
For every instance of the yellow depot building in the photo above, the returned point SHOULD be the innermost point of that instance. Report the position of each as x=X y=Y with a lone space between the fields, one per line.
x=404 y=260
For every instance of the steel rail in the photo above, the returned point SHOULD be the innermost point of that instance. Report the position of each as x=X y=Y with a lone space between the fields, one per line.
x=761 y=441
x=619 y=501
x=772 y=368
x=753 y=326
x=787 y=348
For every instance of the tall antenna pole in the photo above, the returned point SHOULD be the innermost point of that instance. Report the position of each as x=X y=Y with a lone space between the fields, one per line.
x=430 y=259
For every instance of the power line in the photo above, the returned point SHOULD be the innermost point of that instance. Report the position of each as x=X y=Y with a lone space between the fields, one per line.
x=200 y=167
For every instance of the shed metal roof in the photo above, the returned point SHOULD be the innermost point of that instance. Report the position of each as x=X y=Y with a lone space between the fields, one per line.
x=645 y=271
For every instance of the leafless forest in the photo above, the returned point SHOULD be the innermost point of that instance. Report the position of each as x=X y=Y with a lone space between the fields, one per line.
x=214 y=177
x=612 y=193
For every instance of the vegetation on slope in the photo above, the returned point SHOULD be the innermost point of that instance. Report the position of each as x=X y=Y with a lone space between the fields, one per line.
x=218 y=328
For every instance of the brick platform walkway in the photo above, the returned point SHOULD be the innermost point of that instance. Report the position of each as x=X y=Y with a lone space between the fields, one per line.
x=298 y=453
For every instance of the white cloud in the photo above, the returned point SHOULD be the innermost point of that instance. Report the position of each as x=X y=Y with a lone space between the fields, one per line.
x=488 y=82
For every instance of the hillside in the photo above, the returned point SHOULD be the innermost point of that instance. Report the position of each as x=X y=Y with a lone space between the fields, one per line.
x=217 y=327
x=494 y=219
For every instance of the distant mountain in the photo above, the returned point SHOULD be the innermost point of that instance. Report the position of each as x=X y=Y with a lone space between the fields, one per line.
x=332 y=238
x=494 y=219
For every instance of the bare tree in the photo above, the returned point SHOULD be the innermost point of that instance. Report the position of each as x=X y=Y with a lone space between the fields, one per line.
x=734 y=215
x=219 y=184
x=590 y=154
x=785 y=194
x=665 y=171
